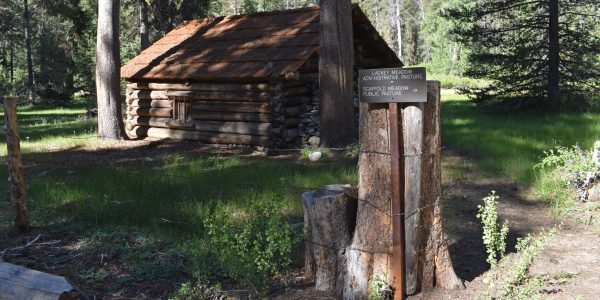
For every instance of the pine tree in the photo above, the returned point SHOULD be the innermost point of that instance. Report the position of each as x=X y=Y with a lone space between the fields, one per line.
x=538 y=54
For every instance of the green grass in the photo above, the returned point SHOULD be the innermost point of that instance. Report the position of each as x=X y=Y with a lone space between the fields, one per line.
x=174 y=193
x=509 y=144
x=453 y=82
x=43 y=129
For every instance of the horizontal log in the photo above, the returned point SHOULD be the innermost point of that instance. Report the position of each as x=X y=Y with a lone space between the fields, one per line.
x=253 y=107
x=229 y=116
x=251 y=128
x=210 y=87
x=213 y=138
x=149 y=112
x=197 y=95
x=150 y=103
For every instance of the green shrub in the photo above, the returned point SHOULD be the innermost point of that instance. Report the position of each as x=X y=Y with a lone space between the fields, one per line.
x=494 y=236
x=198 y=291
x=251 y=248
x=562 y=171
x=509 y=278
x=380 y=288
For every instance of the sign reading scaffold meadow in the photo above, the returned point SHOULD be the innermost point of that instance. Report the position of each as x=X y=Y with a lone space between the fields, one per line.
x=392 y=85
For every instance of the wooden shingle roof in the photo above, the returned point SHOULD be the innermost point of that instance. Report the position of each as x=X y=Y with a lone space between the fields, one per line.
x=257 y=46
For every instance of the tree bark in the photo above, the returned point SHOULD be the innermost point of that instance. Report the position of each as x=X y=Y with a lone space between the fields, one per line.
x=329 y=220
x=336 y=59
x=30 y=81
x=369 y=255
x=12 y=62
x=110 y=122
x=434 y=264
x=144 y=36
x=15 y=172
x=398 y=21
x=553 y=57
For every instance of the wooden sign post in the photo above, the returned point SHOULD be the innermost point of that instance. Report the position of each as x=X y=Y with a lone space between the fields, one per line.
x=394 y=86
x=15 y=169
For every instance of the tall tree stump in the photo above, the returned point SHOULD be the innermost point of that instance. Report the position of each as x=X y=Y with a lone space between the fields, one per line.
x=369 y=254
x=329 y=220
x=336 y=67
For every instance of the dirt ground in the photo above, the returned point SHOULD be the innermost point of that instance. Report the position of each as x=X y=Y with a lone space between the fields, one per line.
x=575 y=250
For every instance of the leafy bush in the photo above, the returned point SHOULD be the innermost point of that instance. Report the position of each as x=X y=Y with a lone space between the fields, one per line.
x=563 y=171
x=380 y=288
x=509 y=278
x=198 y=291
x=251 y=248
x=518 y=284
x=494 y=236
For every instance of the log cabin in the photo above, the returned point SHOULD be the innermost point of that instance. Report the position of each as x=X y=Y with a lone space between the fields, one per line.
x=245 y=80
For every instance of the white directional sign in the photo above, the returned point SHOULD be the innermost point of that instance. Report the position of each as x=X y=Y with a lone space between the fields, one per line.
x=392 y=85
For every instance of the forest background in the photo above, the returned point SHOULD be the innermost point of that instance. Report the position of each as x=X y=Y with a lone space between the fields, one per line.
x=47 y=47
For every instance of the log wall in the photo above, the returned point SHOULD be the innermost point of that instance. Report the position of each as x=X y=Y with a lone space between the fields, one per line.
x=221 y=113
x=257 y=114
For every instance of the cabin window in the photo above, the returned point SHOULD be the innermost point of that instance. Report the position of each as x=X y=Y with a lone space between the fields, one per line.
x=180 y=112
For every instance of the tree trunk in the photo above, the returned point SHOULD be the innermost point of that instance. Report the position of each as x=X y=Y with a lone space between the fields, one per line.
x=110 y=121
x=28 y=49
x=12 y=62
x=144 y=37
x=398 y=22
x=336 y=59
x=369 y=255
x=15 y=172
x=553 y=57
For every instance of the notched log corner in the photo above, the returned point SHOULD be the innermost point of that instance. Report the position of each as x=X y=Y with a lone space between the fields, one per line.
x=329 y=223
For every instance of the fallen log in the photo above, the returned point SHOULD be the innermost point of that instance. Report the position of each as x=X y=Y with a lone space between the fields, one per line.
x=212 y=138
x=17 y=283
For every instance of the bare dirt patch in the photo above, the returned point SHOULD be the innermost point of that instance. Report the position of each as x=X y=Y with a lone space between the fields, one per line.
x=571 y=256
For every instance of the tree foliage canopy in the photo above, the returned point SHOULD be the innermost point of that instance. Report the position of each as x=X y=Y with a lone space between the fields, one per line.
x=510 y=45
x=504 y=41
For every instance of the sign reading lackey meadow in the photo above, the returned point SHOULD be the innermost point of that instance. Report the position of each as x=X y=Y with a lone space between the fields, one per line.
x=392 y=85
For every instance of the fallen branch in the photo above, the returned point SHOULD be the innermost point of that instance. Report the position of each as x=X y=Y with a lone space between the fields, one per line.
x=29 y=244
